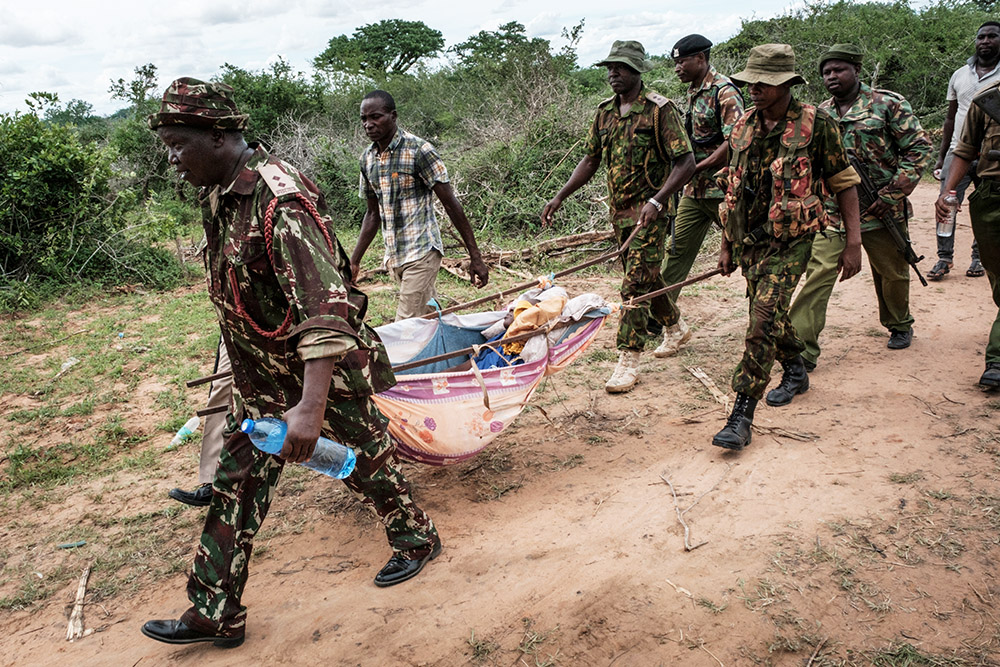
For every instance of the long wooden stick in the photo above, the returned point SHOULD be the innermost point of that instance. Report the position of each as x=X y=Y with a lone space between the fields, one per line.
x=499 y=296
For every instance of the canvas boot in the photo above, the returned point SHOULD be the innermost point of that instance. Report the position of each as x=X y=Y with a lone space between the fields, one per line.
x=794 y=381
x=673 y=338
x=626 y=372
x=736 y=435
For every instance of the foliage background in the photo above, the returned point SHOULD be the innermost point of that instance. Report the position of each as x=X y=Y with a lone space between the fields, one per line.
x=90 y=201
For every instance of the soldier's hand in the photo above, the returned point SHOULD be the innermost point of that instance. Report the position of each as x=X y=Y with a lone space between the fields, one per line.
x=726 y=260
x=355 y=272
x=879 y=208
x=480 y=274
x=648 y=215
x=849 y=263
x=941 y=210
x=549 y=209
x=303 y=430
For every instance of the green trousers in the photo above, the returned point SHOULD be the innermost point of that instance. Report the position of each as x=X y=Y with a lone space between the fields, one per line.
x=694 y=218
x=890 y=275
x=984 y=209
x=808 y=312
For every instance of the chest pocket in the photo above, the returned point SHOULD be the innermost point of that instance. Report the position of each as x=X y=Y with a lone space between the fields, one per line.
x=795 y=210
x=642 y=144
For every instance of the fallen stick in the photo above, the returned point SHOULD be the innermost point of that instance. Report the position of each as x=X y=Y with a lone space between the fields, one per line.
x=48 y=342
x=680 y=514
x=815 y=653
x=75 y=629
x=711 y=386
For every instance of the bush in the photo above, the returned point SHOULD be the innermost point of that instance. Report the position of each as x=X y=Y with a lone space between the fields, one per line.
x=60 y=221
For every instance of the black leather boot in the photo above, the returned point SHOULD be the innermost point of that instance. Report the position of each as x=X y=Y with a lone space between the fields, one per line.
x=736 y=435
x=794 y=381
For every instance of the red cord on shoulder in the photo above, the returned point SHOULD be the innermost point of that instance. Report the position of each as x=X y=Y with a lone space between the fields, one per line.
x=269 y=243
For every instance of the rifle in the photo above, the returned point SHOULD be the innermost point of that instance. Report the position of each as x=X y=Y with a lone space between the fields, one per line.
x=868 y=195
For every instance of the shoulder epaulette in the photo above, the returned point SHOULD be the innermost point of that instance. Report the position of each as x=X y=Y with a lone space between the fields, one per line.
x=607 y=101
x=657 y=99
x=278 y=180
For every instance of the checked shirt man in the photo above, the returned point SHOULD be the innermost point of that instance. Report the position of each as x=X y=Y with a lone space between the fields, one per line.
x=400 y=175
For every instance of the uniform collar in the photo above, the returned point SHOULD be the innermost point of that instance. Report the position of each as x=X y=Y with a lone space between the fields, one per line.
x=706 y=84
x=245 y=179
x=862 y=102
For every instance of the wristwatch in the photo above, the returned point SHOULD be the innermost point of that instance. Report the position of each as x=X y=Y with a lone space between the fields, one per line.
x=658 y=205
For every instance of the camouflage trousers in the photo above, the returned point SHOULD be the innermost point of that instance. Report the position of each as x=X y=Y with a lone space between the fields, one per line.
x=242 y=492
x=641 y=264
x=772 y=270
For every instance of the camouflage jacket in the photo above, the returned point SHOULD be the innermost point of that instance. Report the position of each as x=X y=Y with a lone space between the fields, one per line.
x=636 y=167
x=712 y=109
x=777 y=179
x=882 y=130
x=327 y=312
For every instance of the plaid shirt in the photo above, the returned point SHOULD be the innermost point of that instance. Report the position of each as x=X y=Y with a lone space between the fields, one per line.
x=402 y=178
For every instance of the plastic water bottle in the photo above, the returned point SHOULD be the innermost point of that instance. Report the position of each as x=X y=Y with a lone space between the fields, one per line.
x=946 y=227
x=330 y=458
x=184 y=431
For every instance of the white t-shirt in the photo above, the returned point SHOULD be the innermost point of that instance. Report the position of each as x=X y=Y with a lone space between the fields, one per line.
x=962 y=87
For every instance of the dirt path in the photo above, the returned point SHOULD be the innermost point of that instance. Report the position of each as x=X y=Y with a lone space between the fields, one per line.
x=863 y=518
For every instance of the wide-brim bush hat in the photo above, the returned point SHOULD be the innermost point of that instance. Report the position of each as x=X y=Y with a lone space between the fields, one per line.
x=773 y=64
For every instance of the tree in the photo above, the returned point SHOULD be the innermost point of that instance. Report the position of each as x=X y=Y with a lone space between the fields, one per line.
x=273 y=95
x=506 y=44
x=136 y=92
x=391 y=46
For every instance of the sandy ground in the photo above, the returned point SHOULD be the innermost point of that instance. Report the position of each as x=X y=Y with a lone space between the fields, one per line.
x=862 y=518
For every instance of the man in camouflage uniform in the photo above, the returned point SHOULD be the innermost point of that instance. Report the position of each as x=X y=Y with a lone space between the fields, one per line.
x=880 y=128
x=713 y=105
x=648 y=155
x=980 y=139
x=294 y=328
x=781 y=155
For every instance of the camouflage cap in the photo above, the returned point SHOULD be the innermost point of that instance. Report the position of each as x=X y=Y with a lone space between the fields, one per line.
x=628 y=52
x=846 y=52
x=771 y=64
x=197 y=103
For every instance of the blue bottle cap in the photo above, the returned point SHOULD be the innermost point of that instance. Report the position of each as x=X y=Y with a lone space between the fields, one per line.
x=247 y=426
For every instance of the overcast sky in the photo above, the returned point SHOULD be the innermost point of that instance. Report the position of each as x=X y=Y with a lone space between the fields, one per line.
x=75 y=49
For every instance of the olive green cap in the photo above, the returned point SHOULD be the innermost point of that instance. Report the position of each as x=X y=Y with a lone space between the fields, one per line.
x=628 y=52
x=846 y=52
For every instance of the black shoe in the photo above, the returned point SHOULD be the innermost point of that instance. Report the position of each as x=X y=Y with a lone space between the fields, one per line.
x=794 y=381
x=810 y=365
x=399 y=569
x=991 y=377
x=176 y=632
x=736 y=435
x=200 y=497
x=900 y=340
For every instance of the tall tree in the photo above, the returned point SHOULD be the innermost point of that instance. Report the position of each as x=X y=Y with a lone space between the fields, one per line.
x=391 y=46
